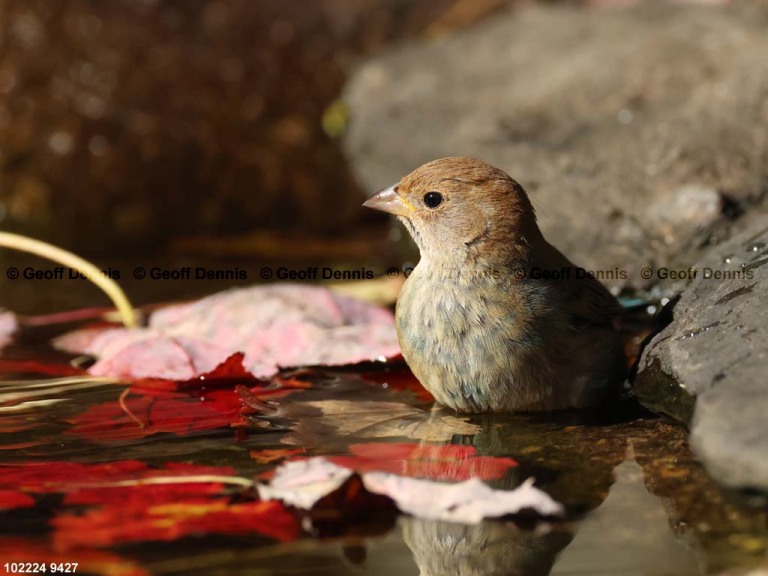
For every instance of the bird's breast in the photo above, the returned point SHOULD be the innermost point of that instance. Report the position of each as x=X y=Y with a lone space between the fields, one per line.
x=458 y=337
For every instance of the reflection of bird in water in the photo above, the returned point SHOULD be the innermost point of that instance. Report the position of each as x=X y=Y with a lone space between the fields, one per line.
x=487 y=549
x=560 y=451
x=490 y=548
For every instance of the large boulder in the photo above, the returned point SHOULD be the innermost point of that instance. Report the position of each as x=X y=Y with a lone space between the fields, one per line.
x=710 y=361
x=638 y=132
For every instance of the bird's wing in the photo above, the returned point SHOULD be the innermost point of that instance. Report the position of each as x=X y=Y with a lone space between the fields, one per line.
x=588 y=302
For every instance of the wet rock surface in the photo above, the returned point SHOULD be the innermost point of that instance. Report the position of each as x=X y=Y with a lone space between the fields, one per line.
x=639 y=133
x=708 y=366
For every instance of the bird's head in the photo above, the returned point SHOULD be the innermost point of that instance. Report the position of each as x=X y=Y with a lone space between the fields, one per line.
x=456 y=206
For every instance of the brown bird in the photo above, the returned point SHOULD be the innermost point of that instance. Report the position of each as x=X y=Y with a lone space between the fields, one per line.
x=494 y=318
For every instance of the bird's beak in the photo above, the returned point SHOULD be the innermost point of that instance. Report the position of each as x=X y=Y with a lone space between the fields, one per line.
x=388 y=201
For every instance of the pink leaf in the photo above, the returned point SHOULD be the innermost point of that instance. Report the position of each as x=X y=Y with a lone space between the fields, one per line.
x=278 y=325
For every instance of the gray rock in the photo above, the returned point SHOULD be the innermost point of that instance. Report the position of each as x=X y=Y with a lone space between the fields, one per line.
x=635 y=131
x=715 y=354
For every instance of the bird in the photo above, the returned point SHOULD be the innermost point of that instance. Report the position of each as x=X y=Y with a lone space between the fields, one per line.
x=493 y=318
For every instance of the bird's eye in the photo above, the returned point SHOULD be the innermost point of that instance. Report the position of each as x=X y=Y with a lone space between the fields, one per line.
x=433 y=199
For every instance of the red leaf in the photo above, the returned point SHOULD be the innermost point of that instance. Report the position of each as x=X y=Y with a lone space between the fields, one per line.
x=42 y=477
x=228 y=374
x=140 y=496
x=136 y=520
x=162 y=406
x=15 y=499
x=156 y=412
x=119 y=508
x=36 y=367
x=18 y=480
x=232 y=367
x=437 y=462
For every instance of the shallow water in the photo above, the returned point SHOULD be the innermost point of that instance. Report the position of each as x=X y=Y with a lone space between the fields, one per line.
x=637 y=500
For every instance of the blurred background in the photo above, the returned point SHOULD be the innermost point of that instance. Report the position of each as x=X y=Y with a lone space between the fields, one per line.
x=125 y=124
x=250 y=130
x=190 y=129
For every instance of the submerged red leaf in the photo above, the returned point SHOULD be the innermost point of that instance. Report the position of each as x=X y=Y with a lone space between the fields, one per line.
x=141 y=496
x=44 y=477
x=38 y=368
x=14 y=499
x=162 y=406
x=70 y=477
x=274 y=325
x=438 y=462
x=129 y=501
x=143 y=414
x=142 y=518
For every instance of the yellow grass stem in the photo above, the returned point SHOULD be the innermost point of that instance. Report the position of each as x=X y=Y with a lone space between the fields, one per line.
x=87 y=269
